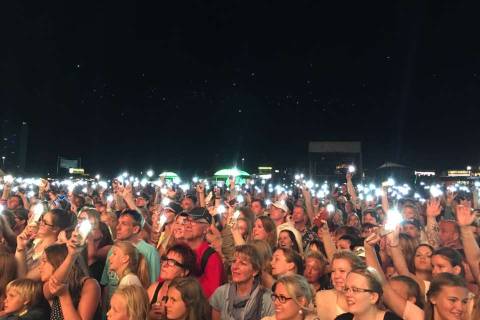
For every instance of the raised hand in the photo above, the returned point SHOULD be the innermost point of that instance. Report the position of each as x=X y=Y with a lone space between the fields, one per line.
x=465 y=215
x=373 y=239
x=434 y=207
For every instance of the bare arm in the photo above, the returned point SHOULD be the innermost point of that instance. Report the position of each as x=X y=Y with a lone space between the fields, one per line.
x=89 y=300
x=385 y=204
x=433 y=210
x=308 y=203
x=465 y=218
x=327 y=240
x=351 y=188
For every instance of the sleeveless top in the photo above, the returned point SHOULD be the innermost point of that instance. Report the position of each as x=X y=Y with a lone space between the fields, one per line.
x=57 y=313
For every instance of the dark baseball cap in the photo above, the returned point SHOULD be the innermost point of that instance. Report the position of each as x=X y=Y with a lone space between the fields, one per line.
x=198 y=213
x=174 y=207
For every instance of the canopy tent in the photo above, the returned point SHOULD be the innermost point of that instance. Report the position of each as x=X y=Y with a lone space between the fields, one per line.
x=391 y=165
x=224 y=174
x=168 y=175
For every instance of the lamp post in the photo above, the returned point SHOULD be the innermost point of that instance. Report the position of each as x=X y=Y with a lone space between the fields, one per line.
x=3 y=162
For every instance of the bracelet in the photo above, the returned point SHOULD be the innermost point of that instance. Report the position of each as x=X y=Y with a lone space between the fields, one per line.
x=393 y=246
x=20 y=250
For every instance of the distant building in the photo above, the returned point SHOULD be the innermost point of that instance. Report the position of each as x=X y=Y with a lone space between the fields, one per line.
x=13 y=146
x=332 y=158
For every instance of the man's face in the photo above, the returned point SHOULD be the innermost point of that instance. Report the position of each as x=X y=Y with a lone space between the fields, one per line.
x=298 y=215
x=276 y=213
x=447 y=232
x=257 y=208
x=126 y=228
x=140 y=202
x=194 y=229
x=368 y=218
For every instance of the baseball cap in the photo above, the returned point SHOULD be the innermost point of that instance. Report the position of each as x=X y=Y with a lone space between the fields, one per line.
x=174 y=207
x=280 y=205
x=198 y=213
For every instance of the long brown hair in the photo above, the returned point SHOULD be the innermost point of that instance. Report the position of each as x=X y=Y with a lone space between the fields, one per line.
x=8 y=270
x=270 y=229
x=197 y=305
x=438 y=283
x=56 y=254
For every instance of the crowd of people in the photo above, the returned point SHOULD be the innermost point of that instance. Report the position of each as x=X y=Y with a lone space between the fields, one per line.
x=136 y=251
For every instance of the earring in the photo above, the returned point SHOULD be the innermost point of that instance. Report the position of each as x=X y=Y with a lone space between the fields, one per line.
x=300 y=312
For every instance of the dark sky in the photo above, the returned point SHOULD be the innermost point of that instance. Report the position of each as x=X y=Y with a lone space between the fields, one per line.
x=194 y=85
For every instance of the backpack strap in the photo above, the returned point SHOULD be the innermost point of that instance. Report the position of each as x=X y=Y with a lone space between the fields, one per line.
x=205 y=257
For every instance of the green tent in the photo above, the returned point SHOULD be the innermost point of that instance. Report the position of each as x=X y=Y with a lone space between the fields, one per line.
x=224 y=174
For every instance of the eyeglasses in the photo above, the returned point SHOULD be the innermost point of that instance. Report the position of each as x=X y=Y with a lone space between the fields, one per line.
x=172 y=262
x=356 y=290
x=281 y=299
x=44 y=223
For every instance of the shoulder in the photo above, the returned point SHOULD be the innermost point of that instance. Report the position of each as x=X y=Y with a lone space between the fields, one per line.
x=344 y=316
x=220 y=292
x=90 y=284
x=325 y=294
x=391 y=316
x=269 y=318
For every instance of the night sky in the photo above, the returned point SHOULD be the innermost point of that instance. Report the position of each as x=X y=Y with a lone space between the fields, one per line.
x=195 y=85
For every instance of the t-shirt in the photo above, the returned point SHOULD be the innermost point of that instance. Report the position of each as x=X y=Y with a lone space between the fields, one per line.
x=387 y=316
x=110 y=279
x=219 y=301
x=214 y=273
x=130 y=279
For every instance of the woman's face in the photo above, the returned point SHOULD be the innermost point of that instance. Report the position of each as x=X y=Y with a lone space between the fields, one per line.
x=353 y=221
x=340 y=270
x=14 y=302
x=284 y=240
x=170 y=268
x=46 y=226
x=242 y=227
x=175 y=308
x=117 y=259
x=450 y=303
x=280 y=266
x=46 y=269
x=118 y=308
x=289 y=308
x=259 y=232
x=360 y=301
x=423 y=259
x=441 y=264
x=242 y=269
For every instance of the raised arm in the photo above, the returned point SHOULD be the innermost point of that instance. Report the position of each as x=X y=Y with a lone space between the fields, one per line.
x=392 y=299
x=308 y=203
x=433 y=211
x=399 y=260
x=465 y=218
x=351 y=188
x=327 y=240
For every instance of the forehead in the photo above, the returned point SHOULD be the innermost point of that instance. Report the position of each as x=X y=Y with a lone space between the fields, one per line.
x=174 y=255
x=357 y=280
x=279 y=253
x=242 y=256
x=126 y=218
x=438 y=259
x=447 y=225
x=459 y=292
x=341 y=263
x=424 y=249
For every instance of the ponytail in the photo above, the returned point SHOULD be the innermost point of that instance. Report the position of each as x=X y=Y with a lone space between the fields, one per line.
x=142 y=271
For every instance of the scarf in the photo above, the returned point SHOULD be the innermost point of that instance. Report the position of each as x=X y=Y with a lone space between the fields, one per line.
x=252 y=306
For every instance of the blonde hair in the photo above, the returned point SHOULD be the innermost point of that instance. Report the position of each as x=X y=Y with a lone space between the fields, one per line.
x=136 y=299
x=30 y=290
x=297 y=287
x=136 y=262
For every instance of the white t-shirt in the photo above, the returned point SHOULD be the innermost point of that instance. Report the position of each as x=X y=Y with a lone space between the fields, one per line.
x=130 y=279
